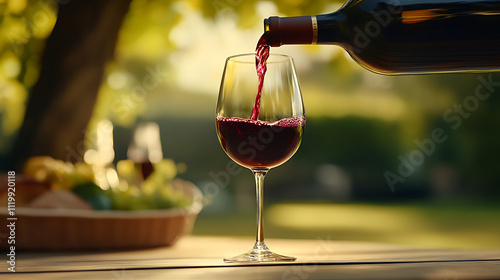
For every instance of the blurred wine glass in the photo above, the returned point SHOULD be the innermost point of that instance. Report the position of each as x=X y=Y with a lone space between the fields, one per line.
x=145 y=148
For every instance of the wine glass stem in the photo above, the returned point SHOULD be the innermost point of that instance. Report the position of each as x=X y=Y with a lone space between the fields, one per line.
x=259 y=181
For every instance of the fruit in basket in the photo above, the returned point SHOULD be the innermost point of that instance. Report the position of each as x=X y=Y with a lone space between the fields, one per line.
x=154 y=192
x=133 y=192
x=60 y=174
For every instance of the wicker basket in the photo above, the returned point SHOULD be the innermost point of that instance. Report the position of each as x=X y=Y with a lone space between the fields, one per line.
x=67 y=229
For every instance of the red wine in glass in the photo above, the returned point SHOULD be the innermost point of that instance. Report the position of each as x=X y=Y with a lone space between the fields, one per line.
x=257 y=144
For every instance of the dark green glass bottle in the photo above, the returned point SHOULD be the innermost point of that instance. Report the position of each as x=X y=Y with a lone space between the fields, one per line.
x=403 y=36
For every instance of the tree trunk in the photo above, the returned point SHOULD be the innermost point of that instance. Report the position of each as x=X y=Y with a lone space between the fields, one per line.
x=62 y=101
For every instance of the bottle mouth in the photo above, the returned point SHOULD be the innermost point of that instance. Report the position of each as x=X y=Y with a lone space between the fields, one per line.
x=290 y=30
x=272 y=31
x=267 y=22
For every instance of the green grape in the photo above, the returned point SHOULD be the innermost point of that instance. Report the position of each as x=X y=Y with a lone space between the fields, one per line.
x=166 y=168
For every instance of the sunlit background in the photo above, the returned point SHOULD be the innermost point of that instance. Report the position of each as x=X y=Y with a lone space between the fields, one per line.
x=369 y=167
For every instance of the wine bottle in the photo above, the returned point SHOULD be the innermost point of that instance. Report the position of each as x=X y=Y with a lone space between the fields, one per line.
x=402 y=36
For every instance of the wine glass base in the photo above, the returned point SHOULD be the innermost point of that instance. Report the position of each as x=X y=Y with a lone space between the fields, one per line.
x=260 y=253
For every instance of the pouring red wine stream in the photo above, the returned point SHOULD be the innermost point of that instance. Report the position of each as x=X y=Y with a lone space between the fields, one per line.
x=261 y=56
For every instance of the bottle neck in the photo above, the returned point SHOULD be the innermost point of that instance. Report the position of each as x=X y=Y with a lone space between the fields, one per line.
x=304 y=30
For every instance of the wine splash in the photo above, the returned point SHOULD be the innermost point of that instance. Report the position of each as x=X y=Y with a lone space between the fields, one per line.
x=261 y=56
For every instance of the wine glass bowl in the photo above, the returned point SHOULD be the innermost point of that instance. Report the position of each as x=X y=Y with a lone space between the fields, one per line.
x=257 y=144
x=260 y=131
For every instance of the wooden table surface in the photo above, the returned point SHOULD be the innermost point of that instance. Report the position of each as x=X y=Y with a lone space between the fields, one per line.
x=195 y=257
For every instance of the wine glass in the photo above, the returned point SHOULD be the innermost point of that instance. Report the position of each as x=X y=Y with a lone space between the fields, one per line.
x=264 y=142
